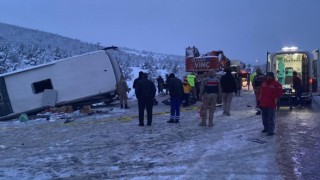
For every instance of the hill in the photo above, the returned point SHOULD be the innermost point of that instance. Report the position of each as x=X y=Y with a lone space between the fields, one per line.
x=21 y=47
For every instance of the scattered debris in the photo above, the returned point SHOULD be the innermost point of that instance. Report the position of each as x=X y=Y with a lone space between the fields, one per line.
x=256 y=140
x=23 y=117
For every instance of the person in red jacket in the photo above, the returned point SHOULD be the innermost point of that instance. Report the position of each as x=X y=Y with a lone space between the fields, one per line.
x=270 y=91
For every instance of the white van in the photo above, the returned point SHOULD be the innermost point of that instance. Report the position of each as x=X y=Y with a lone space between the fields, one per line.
x=283 y=63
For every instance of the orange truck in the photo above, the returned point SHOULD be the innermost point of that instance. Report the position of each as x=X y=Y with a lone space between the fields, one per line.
x=198 y=64
x=215 y=60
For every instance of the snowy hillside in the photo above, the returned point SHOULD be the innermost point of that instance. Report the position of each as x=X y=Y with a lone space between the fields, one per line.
x=21 y=48
x=151 y=63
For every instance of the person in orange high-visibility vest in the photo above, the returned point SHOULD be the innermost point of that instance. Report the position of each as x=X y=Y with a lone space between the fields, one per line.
x=186 y=91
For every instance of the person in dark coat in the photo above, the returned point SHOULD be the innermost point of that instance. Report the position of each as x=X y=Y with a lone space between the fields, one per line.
x=297 y=86
x=237 y=77
x=145 y=92
x=176 y=95
x=256 y=84
x=228 y=86
x=160 y=84
x=137 y=79
x=166 y=85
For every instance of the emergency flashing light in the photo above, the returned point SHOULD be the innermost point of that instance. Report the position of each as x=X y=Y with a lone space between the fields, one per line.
x=292 y=48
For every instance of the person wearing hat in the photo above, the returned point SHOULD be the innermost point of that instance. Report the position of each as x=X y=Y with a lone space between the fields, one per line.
x=210 y=89
x=270 y=91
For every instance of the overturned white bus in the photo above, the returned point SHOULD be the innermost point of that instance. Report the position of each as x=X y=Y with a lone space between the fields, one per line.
x=83 y=79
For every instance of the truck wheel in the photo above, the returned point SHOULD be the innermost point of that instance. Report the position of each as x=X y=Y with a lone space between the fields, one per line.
x=309 y=102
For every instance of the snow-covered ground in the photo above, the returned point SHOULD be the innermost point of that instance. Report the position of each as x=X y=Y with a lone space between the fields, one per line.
x=111 y=145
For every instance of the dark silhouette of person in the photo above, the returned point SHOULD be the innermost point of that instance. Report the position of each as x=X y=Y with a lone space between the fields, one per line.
x=137 y=79
x=145 y=92
x=297 y=86
x=176 y=95
x=160 y=84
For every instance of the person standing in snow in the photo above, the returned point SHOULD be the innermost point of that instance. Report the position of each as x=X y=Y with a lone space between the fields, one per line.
x=166 y=84
x=210 y=89
x=135 y=82
x=228 y=86
x=145 y=92
x=176 y=94
x=186 y=91
x=297 y=86
x=238 y=79
x=122 y=90
x=191 y=78
x=270 y=91
x=197 y=86
x=256 y=84
x=160 y=84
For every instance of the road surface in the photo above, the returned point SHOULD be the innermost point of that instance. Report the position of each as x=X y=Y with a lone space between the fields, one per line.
x=112 y=146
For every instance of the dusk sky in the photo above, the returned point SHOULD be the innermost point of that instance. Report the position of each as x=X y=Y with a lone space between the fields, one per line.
x=243 y=29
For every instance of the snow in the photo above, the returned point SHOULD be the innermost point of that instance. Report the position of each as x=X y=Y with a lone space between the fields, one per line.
x=112 y=146
x=160 y=151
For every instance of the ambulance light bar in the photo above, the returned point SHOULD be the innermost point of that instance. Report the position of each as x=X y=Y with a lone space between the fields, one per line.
x=292 y=48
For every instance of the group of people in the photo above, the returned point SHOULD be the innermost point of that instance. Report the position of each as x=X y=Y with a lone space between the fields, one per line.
x=266 y=90
x=145 y=91
x=209 y=89
x=213 y=87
